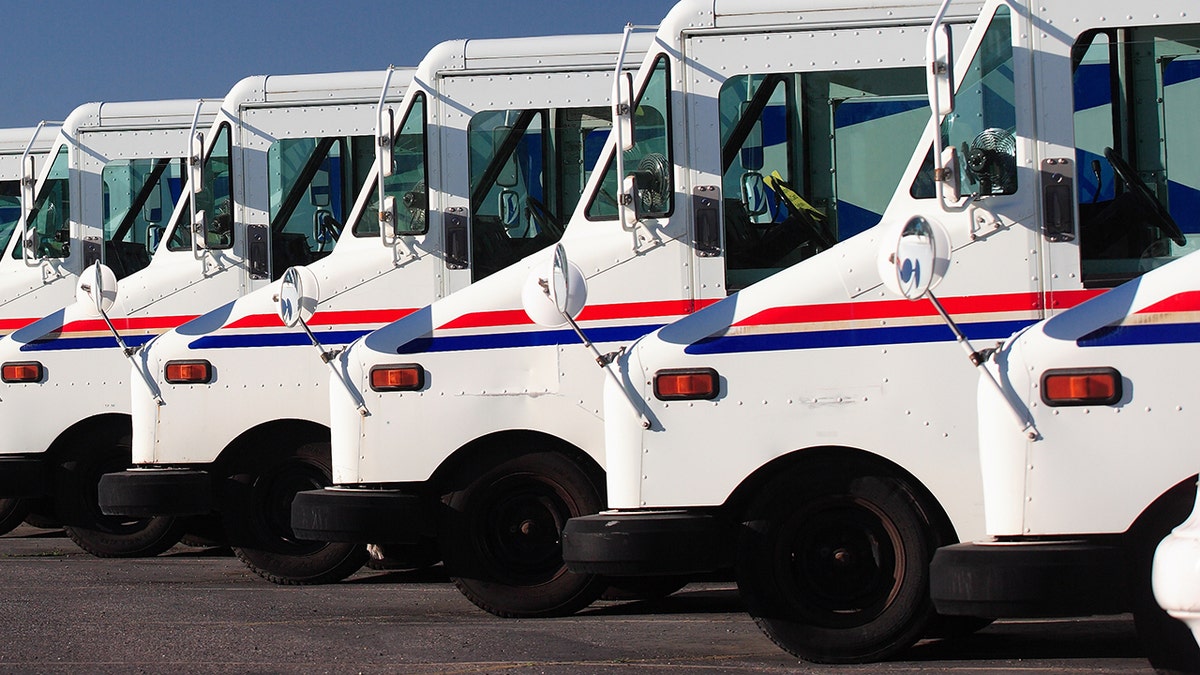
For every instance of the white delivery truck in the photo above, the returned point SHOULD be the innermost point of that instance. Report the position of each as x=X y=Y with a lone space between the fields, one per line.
x=754 y=135
x=815 y=432
x=17 y=147
x=272 y=177
x=112 y=173
x=491 y=150
x=1080 y=432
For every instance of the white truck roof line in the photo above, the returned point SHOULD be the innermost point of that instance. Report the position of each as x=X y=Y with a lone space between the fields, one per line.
x=765 y=15
x=529 y=53
x=315 y=88
x=135 y=115
x=13 y=143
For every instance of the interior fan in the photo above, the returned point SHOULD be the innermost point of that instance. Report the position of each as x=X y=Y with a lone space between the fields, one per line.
x=654 y=184
x=991 y=160
x=414 y=203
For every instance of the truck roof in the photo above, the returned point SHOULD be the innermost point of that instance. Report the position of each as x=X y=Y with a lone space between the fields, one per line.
x=690 y=15
x=14 y=141
x=137 y=114
x=558 y=52
x=315 y=88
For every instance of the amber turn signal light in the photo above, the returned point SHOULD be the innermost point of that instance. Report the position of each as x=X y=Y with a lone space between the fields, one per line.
x=686 y=384
x=1081 y=386
x=28 y=371
x=188 y=372
x=404 y=377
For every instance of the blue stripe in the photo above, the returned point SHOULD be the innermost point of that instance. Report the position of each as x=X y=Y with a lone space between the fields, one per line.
x=282 y=339
x=70 y=344
x=465 y=343
x=852 y=337
x=1153 y=334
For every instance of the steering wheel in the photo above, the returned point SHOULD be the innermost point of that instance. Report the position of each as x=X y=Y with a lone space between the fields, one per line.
x=545 y=221
x=1158 y=214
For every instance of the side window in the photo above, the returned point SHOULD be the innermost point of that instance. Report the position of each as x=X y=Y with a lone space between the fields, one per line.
x=50 y=217
x=811 y=159
x=215 y=200
x=982 y=128
x=408 y=180
x=650 y=156
x=311 y=187
x=1136 y=92
x=139 y=195
x=10 y=209
x=528 y=169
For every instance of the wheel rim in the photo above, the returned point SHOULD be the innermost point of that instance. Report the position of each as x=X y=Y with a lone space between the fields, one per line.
x=274 y=493
x=842 y=561
x=519 y=529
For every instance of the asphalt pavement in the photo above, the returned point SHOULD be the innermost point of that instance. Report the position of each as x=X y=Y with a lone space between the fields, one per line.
x=200 y=610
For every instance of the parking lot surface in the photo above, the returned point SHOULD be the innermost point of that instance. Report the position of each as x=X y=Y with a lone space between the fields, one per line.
x=200 y=610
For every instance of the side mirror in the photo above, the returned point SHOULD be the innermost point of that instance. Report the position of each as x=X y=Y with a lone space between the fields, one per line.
x=297 y=299
x=152 y=211
x=914 y=257
x=325 y=227
x=154 y=235
x=383 y=146
x=939 y=80
x=97 y=288
x=319 y=189
x=507 y=176
x=554 y=293
x=623 y=109
x=28 y=186
x=754 y=196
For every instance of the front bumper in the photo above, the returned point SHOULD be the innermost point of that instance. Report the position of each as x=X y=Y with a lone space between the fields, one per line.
x=156 y=492
x=1031 y=579
x=648 y=543
x=362 y=515
x=24 y=476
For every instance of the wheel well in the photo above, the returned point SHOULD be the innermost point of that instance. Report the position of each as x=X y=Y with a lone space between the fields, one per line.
x=1170 y=509
x=108 y=425
x=840 y=456
x=455 y=471
x=274 y=436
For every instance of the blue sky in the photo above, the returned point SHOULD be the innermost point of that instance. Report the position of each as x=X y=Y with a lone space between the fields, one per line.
x=61 y=53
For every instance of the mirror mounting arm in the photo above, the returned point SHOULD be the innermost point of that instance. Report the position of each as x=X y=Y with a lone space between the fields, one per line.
x=602 y=360
x=979 y=358
x=327 y=357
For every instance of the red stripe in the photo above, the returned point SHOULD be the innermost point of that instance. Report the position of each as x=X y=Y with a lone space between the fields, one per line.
x=331 y=318
x=152 y=323
x=894 y=309
x=628 y=310
x=1181 y=302
x=9 y=325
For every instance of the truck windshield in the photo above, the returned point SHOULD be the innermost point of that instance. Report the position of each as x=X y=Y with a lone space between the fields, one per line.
x=528 y=169
x=407 y=183
x=312 y=182
x=810 y=159
x=50 y=218
x=138 y=195
x=215 y=199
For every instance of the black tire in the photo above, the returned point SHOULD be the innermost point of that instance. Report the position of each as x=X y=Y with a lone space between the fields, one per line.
x=1168 y=642
x=12 y=513
x=257 y=517
x=833 y=562
x=77 y=504
x=501 y=537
